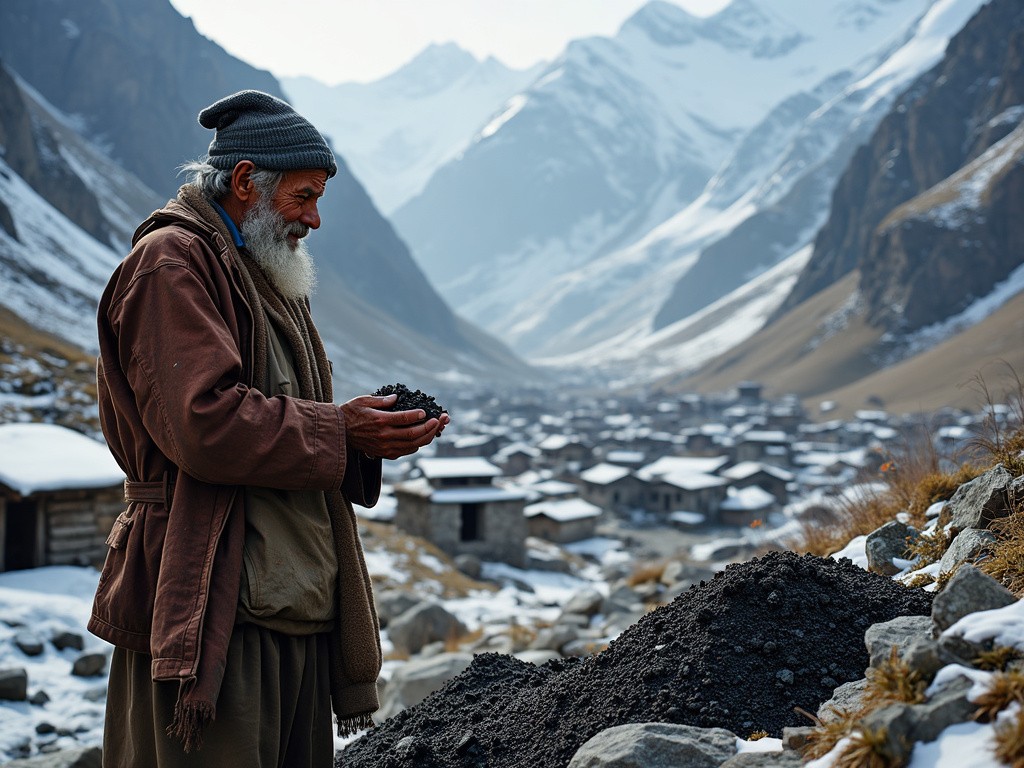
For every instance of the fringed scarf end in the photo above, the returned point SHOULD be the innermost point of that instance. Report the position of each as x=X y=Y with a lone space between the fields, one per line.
x=189 y=721
x=350 y=726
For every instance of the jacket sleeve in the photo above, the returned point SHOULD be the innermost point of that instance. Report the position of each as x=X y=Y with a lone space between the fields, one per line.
x=182 y=362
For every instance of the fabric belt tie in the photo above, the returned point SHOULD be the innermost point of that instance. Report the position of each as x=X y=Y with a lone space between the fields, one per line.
x=151 y=492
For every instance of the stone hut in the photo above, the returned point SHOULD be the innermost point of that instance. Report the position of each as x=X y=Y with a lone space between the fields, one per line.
x=611 y=487
x=754 y=473
x=562 y=520
x=60 y=493
x=455 y=505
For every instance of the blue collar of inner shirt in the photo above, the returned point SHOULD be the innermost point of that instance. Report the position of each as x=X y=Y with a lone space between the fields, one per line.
x=236 y=236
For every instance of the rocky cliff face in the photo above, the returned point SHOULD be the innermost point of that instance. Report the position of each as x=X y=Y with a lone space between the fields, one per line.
x=921 y=209
x=32 y=151
x=135 y=72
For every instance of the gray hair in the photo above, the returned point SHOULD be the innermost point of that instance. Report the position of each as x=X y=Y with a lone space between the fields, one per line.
x=216 y=184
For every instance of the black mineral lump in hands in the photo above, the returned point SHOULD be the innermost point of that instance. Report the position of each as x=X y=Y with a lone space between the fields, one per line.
x=410 y=401
x=724 y=654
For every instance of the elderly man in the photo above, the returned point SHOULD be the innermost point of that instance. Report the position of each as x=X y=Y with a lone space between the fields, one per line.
x=235 y=589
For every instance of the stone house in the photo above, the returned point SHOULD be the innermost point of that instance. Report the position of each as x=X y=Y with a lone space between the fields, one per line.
x=763 y=444
x=60 y=493
x=612 y=487
x=686 y=483
x=565 y=453
x=455 y=505
x=745 y=506
x=562 y=520
x=755 y=473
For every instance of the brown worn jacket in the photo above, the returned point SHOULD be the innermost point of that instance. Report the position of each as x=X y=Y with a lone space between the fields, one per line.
x=176 y=404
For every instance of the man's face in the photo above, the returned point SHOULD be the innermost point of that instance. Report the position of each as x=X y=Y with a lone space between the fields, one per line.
x=273 y=228
x=296 y=200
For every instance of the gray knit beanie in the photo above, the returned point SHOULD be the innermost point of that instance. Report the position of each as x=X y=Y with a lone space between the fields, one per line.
x=252 y=125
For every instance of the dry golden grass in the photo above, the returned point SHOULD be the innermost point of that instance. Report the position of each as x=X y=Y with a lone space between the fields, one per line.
x=867 y=749
x=757 y=736
x=826 y=735
x=1004 y=689
x=646 y=572
x=998 y=659
x=1010 y=741
x=890 y=682
x=894 y=680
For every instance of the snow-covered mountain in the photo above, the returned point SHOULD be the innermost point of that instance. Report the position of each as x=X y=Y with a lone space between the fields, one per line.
x=71 y=197
x=396 y=131
x=764 y=205
x=914 y=286
x=616 y=137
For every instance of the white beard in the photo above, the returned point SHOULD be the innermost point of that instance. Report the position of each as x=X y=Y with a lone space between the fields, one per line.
x=290 y=270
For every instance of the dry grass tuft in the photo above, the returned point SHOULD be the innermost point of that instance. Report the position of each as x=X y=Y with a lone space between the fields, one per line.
x=1004 y=689
x=646 y=572
x=757 y=736
x=1009 y=747
x=867 y=749
x=998 y=659
x=928 y=548
x=1005 y=564
x=894 y=680
x=825 y=736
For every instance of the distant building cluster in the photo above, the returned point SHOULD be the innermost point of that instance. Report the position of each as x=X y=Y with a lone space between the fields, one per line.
x=554 y=467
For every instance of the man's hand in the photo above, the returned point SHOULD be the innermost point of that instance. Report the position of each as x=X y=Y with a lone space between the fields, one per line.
x=388 y=434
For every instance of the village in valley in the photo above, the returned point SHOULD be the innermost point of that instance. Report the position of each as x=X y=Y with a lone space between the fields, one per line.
x=723 y=475
x=701 y=477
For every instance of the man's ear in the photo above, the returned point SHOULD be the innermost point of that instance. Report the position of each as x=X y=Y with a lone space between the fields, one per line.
x=242 y=186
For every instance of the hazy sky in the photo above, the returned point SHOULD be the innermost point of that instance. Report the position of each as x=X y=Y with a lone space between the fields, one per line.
x=361 y=40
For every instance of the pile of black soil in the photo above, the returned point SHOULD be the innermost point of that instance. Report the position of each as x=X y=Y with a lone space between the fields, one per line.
x=409 y=400
x=738 y=652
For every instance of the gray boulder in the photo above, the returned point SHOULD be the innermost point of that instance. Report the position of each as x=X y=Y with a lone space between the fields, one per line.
x=13 y=684
x=392 y=603
x=881 y=637
x=29 y=643
x=967 y=547
x=555 y=638
x=89 y=665
x=412 y=682
x=967 y=592
x=848 y=697
x=885 y=543
x=424 y=624
x=656 y=745
x=586 y=602
x=982 y=500
x=63 y=640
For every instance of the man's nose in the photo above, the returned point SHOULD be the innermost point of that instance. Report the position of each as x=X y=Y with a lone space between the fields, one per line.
x=311 y=218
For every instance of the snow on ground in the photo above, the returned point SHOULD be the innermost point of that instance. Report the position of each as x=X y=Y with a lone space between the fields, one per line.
x=43 y=602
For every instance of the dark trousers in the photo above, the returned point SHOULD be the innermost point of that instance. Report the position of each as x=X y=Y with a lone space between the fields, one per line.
x=274 y=708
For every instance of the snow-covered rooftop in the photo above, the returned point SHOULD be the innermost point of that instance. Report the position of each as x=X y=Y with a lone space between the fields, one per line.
x=604 y=474
x=563 y=510
x=752 y=498
x=678 y=465
x=48 y=457
x=457 y=466
x=745 y=469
